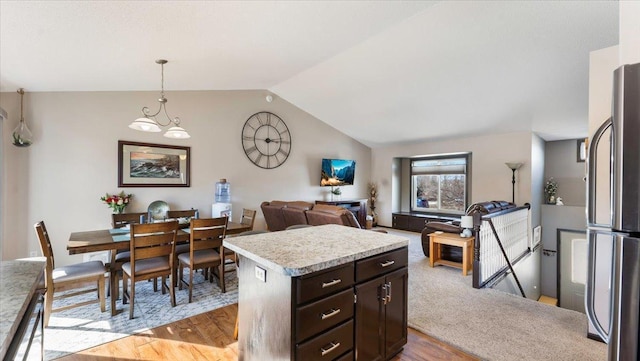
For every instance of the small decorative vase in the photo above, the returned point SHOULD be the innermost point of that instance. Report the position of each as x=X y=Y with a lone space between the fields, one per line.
x=118 y=210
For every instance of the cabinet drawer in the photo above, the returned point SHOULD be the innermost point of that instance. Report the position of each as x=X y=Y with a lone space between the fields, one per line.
x=324 y=314
x=381 y=264
x=346 y=357
x=328 y=345
x=325 y=283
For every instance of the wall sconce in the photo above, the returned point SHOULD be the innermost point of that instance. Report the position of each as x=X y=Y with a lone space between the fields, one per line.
x=514 y=167
x=466 y=223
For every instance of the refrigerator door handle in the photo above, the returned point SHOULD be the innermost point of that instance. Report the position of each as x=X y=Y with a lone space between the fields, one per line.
x=591 y=175
x=590 y=289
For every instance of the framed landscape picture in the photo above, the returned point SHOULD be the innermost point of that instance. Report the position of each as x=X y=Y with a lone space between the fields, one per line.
x=153 y=165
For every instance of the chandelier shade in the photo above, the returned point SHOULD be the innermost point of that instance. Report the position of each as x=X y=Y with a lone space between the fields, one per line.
x=149 y=122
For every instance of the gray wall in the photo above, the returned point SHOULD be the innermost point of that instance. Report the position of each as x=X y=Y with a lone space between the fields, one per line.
x=561 y=164
x=73 y=160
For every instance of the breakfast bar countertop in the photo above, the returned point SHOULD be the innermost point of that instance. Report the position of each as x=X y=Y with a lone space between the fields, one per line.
x=301 y=251
x=19 y=280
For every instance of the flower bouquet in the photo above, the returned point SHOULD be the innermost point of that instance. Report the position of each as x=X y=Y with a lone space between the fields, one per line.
x=117 y=202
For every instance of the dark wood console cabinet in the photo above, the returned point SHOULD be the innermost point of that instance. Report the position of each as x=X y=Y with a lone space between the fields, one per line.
x=357 y=206
x=415 y=222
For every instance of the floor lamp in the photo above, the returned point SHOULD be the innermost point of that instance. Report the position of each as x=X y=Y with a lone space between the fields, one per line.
x=514 y=167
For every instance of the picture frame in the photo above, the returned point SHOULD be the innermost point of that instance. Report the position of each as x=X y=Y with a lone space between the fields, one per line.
x=536 y=237
x=153 y=165
x=581 y=151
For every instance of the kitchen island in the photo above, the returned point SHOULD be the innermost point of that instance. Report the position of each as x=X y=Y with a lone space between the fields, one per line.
x=321 y=293
x=21 y=289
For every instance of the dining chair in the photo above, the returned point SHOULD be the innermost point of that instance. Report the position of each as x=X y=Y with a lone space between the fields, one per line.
x=75 y=276
x=205 y=250
x=122 y=219
x=118 y=258
x=152 y=247
x=248 y=219
x=181 y=247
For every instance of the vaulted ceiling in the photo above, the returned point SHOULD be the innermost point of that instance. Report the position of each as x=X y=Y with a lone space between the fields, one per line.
x=380 y=71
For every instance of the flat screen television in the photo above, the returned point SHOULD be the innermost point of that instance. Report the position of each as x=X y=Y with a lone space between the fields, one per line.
x=337 y=172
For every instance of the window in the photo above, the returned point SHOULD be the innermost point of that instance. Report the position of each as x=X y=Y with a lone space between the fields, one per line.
x=440 y=183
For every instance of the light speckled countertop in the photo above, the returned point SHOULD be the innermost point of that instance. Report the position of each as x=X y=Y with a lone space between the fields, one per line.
x=18 y=282
x=306 y=250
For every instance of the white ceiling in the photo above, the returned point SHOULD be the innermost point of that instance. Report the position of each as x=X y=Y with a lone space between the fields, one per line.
x=380 y=71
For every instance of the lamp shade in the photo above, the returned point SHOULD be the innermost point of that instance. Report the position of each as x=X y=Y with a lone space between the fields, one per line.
x=514 y=165
x=145 y=125
x=177 y=133
x=466 y=222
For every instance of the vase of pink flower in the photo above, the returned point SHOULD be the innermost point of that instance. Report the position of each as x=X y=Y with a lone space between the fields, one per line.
x=117 y=202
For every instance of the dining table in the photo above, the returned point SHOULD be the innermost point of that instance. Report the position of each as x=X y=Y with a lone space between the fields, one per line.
x=119 y=239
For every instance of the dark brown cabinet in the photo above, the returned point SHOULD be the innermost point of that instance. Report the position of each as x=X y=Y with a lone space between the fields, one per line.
x=354 y=311
x=381 y=308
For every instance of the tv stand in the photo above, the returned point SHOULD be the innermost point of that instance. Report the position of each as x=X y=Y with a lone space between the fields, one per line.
x=357 y=206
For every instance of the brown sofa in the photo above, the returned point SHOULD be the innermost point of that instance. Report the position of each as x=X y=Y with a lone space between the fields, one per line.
x=281 y=214
x=328 y=214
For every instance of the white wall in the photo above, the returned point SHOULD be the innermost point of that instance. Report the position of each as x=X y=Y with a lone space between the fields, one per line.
x=629 y=32
x=73 y=160
x=538 y=160
x=490 y=177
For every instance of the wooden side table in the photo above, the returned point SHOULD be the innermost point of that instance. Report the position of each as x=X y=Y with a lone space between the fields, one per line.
x=451 y=239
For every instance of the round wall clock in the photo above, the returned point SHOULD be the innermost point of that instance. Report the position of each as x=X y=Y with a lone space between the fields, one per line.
x=266 y=140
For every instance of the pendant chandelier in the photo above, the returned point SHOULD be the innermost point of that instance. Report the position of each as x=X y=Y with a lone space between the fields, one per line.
x=22 y=136
x=149 y=123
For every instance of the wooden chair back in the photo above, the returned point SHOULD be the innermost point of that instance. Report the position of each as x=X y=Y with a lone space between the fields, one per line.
x=45 y=247
x=248 y=217
x=207 y=233
x=122 y=219
x=180 y=214
x=152 y=240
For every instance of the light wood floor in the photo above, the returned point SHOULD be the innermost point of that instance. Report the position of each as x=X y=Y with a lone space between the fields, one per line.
x=209 y=336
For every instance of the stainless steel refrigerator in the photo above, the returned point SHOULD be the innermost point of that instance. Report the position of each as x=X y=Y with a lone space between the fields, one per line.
x=613 y=220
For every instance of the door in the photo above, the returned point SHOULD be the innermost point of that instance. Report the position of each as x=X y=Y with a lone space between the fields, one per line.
x=370 y=320
x=396 y=311
x=572 y=267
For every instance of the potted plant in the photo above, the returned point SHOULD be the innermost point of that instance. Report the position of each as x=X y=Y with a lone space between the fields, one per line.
x=335 y=193
x=550 y=191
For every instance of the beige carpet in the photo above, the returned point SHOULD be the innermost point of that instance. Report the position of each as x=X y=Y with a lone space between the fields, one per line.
x=491 y=324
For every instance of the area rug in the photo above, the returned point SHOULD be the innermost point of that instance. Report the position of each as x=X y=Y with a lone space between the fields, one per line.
x=83 y=327
x=491 y=324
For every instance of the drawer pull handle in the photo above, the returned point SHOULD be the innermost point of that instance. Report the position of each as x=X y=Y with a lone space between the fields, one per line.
x=387 y=263
x=332 y=346
x=331 y=283
x=331 y=313
x=389 y=292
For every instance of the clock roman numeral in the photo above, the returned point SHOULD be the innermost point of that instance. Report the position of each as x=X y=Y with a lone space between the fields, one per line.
x=251 y=150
